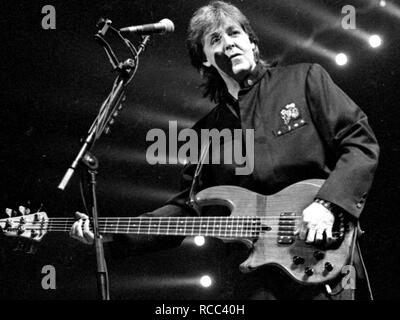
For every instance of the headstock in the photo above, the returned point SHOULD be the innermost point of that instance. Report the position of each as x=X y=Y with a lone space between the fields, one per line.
x=29 y=226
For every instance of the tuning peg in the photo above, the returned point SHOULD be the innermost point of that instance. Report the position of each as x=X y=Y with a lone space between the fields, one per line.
x=10 y=212
x=8 y=225
x=24 y=210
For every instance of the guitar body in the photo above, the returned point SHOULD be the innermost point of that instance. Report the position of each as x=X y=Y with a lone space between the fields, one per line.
x=279 y=215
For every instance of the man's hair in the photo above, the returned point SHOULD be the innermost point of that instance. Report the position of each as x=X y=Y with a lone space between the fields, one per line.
x=203 y=21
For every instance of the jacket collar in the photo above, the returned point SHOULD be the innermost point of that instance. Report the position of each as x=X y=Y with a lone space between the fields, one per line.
x=254 y=76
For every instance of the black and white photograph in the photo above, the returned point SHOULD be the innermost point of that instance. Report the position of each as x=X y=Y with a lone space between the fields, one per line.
x=214 y=152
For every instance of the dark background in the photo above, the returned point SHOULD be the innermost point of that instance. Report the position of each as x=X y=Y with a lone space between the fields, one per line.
x=54 y=81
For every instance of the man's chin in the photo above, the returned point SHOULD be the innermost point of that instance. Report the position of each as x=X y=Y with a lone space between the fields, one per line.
x=240 y=71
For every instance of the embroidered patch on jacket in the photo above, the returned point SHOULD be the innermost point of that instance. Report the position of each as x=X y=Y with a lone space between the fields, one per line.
x=291 y=117
x=289 y=112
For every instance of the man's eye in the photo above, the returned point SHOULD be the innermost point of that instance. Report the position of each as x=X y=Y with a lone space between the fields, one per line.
x=214 y=40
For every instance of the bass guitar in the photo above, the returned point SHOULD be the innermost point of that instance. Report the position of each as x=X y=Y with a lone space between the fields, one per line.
x=267 y=224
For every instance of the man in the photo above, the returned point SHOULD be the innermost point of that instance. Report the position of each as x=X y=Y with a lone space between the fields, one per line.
x=304 y=127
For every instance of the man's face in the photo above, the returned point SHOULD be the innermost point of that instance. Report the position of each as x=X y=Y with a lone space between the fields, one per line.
x=229 y=49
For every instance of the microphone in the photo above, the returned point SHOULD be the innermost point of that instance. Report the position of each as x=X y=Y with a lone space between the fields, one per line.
x=165 y=25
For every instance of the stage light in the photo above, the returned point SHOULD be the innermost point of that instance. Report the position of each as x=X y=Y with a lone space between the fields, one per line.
x=199 y=241
x=341 y=59
x=205 y=281
x=375 y=41
x=382 y=3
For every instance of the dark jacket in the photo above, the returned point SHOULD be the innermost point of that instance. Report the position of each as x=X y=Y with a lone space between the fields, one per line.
x=305 y=127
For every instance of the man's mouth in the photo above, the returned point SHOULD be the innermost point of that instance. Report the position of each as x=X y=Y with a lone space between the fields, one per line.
x=234 y=56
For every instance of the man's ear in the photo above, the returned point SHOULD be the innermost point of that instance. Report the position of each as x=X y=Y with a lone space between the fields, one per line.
x=253 y=46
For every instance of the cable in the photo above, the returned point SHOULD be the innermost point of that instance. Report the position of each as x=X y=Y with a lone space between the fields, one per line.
x=365 y=272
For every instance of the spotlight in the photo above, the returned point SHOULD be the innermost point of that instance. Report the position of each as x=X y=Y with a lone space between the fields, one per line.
x=341 y=59
x=205 y=281
x=375 y=41
x=199 y=241
x=382 y=3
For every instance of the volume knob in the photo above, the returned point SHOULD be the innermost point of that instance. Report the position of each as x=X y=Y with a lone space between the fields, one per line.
x=319 y=255
x=309 y=271
x=328 y=266
x=298 y=260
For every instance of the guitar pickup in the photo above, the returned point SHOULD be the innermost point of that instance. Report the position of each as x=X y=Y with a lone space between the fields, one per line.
x=285 y=240
x=287 y=223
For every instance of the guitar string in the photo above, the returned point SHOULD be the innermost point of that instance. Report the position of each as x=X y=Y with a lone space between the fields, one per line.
x=221 y=233
x=175 y=218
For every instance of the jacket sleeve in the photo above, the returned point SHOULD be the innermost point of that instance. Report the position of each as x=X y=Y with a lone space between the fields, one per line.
x=344 y=128
x=124 y=245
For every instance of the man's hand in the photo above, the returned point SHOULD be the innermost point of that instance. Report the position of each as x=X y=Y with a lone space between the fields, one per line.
x=82 y=234
x=317 y=220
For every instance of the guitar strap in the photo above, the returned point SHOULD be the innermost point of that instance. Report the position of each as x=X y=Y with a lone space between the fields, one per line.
x=195 y=182
x=364 y=269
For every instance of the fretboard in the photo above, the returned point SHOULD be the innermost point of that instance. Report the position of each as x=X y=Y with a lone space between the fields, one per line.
x=245 y=226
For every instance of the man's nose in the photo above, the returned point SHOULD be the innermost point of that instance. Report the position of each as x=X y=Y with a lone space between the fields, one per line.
x=228 y=42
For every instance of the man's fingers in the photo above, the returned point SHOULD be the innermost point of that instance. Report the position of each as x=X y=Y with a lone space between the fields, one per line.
x=303 y=231
x=78 y=228
x=311 y=234
x=89 y=236
x=328 y=233
x=319 y=235
x=80 y=215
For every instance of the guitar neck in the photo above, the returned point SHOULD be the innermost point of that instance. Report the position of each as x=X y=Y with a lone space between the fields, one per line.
x=237 y=227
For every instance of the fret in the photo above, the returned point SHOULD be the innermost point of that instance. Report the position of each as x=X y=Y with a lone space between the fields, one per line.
x=176 y=226
x=159 y=225
x=202 y=226
x=104 y=226
x=185 y=225
x=169 y=221
x=250 y=226
x=116 y=228
x=193 y=223
x=129 y=226
x=65 y=225
x=139 y=226
x=237 y=226
x=208 y=224
x=148 y=228
x=226 y=229
x=180 y=225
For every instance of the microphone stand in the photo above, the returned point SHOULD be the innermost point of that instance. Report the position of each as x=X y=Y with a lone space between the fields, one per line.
x=105 y=118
